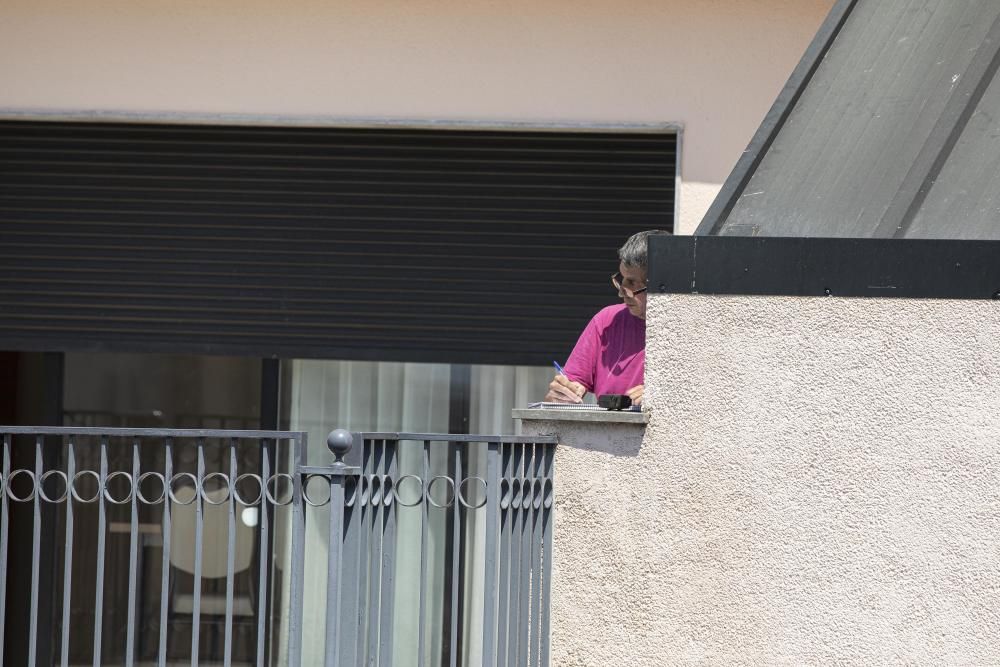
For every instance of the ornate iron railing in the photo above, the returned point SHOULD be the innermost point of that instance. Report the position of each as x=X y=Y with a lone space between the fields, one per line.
x=151 y=546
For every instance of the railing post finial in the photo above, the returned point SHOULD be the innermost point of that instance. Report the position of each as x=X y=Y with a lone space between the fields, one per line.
x=340 y=442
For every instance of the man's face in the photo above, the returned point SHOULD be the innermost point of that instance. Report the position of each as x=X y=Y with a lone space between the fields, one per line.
x=633 y=278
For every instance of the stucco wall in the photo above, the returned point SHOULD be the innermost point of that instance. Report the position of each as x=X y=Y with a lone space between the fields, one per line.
x=714 y=66
x=819 y=481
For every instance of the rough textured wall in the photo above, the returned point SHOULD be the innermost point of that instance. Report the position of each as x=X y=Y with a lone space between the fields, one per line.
x=820 y=481
x=714 y=66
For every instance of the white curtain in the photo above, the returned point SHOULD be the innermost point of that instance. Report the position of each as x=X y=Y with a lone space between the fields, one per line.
x=496 y=390
x=366 y=396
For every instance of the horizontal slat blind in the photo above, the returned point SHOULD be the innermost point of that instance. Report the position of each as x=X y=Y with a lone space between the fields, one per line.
x=448 y=245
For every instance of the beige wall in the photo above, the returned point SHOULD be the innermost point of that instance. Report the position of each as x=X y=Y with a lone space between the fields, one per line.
x=819 y=482
x=713 y=66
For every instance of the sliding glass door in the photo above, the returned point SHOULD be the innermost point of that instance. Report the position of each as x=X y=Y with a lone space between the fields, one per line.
x=418 y=398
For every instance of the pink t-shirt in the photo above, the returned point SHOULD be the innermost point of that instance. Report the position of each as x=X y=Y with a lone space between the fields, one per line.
x=610 y=356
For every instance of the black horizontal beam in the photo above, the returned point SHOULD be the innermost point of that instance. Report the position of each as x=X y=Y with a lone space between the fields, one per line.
x=895 y=268
x=492 y=352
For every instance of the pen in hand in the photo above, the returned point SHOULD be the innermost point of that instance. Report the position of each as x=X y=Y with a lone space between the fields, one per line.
x=564 y=388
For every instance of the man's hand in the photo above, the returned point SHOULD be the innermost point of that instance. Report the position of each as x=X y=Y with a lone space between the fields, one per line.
x=635 y=393
x=564 y=390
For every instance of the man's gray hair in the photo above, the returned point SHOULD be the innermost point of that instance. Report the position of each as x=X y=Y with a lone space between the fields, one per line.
x=633 y=253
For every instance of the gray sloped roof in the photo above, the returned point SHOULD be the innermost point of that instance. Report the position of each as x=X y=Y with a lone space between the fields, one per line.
x=889 y=127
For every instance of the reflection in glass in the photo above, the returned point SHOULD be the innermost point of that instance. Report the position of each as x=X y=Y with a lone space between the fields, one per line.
x=159 y=391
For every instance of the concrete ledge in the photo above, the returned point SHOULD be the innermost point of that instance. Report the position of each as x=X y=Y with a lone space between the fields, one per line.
x=598 y=416
x=614 y=432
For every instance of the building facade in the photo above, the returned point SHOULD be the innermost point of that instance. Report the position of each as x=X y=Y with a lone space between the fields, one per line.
x=692 y=79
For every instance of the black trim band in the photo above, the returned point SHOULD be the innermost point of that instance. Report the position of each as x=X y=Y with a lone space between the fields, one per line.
x=899 y=268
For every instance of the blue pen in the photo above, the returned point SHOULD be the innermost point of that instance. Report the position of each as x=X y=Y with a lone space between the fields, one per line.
x=559 y=368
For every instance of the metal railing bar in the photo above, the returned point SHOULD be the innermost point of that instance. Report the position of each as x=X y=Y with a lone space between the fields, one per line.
x=67 y=556
x=459 y=437
x=5 y=512
x=517 y=539
x=324 y=471
x=536 y=559
x=506 y=532
x=364 y=549
x=456 y=556
x=490 y=569
x=168 y=471
x=102 y=520
x=375 y=561
x=36 y=541
x=545 y=620
x=199 y=539
x=524 y=594
x=149 y=432
x=298 y=554
x=424 y=565
x=265 y=558
x=349 y=584
x=133 y=557
x=227 y=658
x=335 y=558
x=388 y=584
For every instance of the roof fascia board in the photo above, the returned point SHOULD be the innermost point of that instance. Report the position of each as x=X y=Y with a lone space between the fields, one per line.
x=717 y=214
x=847 y=267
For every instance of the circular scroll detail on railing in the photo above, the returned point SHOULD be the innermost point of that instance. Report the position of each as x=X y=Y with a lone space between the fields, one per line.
x=515 y=492
x=536 y=494
x=526 y=494
x=163 y=488
x=206 y=493
x=366 y=490
x=430 y=491
x=97 y=486
x=505 y=494
x=236 y=489
x=548 y=494
x=375 y=484
x=10 y=485
x=387 y=490
x=396 y=490
x=305 y=490
x=107 y=487
x=350 y=490
x=272 y=481
x=463 y=498
x=41 y=486
x=192 y=487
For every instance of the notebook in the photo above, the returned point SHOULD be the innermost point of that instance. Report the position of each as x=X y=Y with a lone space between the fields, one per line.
x=579 y=406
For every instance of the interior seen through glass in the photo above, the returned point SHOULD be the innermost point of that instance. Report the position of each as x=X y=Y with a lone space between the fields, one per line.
x=189 y=391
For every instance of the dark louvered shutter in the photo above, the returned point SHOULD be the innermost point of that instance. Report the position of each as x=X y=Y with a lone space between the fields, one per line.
x=408 y=244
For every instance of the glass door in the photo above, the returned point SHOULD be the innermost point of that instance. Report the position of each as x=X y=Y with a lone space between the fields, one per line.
x=160 y=391
x=418 y=398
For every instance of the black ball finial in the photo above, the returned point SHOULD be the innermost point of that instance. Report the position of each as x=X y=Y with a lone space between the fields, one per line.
x=339 y=442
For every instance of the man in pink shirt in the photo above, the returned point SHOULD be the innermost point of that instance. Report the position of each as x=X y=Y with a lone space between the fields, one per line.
x=610 y=356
